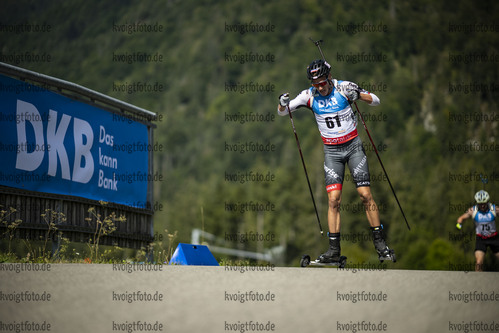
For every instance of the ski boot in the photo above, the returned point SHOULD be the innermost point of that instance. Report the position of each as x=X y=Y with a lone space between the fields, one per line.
x=384 y=253
x=330 y=258
x=332 y=255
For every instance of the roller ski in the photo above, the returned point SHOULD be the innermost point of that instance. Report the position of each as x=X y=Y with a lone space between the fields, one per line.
x=330 y=258
x=384 y=253
x=305 y=261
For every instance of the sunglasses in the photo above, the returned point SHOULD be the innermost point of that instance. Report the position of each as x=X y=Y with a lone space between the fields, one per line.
x=483 y=206
x=320 y=84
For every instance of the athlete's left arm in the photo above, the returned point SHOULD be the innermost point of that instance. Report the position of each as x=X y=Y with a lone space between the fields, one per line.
x=369 y=98
x=350 y=89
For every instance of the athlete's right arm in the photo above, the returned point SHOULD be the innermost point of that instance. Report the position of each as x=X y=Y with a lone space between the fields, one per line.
x=301 y=100
x=465 y=216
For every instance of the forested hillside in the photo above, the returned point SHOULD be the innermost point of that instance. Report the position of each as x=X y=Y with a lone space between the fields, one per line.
x=214 y=71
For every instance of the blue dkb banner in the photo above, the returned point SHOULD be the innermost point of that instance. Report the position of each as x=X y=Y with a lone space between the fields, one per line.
x=52 y=143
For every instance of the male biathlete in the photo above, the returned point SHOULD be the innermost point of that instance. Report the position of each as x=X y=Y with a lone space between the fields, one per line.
x=484 y=215
x=331 y=100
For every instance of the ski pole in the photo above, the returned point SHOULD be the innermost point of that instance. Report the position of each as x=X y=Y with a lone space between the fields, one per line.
x=305 y=169
x=318 y=44
x=484 y=181
x=381 y=163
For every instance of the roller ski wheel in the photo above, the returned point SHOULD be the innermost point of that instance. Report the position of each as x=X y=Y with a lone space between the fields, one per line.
x=305 y=261
x=390 y=256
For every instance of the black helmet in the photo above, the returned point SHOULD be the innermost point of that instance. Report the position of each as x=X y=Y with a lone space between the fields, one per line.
x=317 y=69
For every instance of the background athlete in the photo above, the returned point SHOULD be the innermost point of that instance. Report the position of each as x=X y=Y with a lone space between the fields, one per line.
x=484 y=215
x=330 y=101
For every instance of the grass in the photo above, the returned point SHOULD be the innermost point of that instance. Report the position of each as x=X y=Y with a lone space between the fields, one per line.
x=14 y=250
